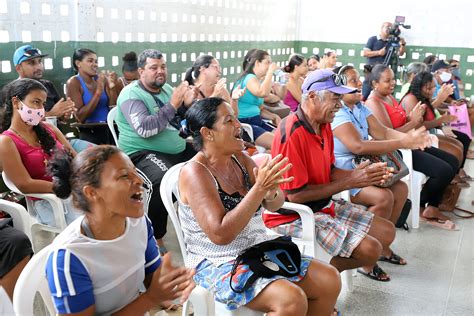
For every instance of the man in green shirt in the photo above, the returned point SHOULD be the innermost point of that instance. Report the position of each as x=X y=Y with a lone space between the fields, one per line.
x=148 y=121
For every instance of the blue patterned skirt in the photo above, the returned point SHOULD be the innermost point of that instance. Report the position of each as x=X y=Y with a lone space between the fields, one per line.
x=216 y=279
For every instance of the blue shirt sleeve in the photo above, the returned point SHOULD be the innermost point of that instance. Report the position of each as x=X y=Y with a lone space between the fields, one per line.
x=342 y=116
x=69 y=282
x=371 y=42
x=366 y=112
x=152 y=255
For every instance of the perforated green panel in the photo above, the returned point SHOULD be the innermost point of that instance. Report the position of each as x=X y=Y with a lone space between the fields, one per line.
x=179 y=56
x=230 y=54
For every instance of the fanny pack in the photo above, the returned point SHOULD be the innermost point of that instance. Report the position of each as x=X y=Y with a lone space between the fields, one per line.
x=279 y=256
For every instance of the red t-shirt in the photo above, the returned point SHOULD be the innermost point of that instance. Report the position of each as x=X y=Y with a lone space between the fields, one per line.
x=311 y=155
x=395 y=111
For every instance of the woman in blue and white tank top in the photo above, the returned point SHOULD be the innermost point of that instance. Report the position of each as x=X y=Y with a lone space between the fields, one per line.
x=93 y=93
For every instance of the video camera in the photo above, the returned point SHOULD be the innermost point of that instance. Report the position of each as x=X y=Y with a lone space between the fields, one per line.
x=394 y=31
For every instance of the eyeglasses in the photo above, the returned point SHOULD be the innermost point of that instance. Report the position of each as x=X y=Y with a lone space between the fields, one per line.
x=339 y=80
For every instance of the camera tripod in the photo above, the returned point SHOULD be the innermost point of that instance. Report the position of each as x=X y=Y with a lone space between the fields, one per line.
x=391 y=58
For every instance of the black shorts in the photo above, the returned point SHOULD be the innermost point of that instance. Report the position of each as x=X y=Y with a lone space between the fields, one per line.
x=14 y=247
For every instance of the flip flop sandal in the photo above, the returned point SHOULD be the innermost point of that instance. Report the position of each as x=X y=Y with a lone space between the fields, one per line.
x=375 y=274
x=448 y=224
x=393 y=259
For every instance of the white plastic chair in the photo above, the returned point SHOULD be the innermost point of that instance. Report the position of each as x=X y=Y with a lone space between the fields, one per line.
x=6 y=306
x=246 y=127
x=21 y=218
x=35 y=226
x=110 y=122
x=32 y=280
x=201 y=299
x=415 y=181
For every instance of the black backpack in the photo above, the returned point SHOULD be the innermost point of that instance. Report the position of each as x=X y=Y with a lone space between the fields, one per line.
x=402 y=219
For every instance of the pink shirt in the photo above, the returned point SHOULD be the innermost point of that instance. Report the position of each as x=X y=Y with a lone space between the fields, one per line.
x=34 y=158
x=291 y=101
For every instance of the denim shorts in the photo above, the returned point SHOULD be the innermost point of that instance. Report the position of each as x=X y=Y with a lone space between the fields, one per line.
x=258 y=125
x=44 y=212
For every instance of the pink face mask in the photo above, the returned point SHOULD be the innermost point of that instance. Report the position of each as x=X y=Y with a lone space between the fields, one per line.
x=30 y=116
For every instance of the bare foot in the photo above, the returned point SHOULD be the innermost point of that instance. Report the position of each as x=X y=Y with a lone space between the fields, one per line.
x=432 y=212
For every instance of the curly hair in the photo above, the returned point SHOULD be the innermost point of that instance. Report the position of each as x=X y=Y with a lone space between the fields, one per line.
x=416 y=87
x=20 y=89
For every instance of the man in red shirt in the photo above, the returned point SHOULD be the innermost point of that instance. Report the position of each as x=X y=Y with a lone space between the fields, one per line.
x=351 y=234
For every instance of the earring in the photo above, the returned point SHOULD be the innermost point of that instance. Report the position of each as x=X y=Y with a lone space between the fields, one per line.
x=210 y=139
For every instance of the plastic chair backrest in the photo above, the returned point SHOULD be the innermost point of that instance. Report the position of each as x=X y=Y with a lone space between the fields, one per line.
x=168 y=187
x=110 y=122
x=35 y=226
x=21 y=218
x=33 y=279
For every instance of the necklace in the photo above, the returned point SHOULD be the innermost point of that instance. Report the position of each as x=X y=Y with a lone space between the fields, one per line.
x=45 y=160
x=229 y=181
x=22 y=137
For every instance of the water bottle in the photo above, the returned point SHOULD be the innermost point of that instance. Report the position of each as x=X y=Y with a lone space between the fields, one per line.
x=281 y=76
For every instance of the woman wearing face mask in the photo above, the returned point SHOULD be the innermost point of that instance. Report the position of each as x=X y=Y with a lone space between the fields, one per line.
x=27 y=143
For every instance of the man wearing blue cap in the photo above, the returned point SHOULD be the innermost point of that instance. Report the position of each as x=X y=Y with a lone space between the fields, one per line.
x=348 y=232
x=28 y=63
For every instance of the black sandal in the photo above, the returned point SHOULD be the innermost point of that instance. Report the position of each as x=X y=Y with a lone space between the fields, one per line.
x=375 y=274
x=393 y=259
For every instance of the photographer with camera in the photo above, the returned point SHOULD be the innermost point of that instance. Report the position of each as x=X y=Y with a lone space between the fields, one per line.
x=377 y=49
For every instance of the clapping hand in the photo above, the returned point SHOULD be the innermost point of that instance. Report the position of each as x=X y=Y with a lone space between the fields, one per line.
x=169 y=282
x=270 y=173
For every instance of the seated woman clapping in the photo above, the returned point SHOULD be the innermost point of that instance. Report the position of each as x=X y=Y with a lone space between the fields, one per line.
x=221 y=195
x=107 y=261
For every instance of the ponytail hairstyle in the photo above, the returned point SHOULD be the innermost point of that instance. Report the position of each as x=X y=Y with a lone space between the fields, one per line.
x=193 y=73
x=20 y=88
x=416 y=87
x=250 y=59
x=72 y=175
x=329 y=53
x=79 y=55
x=376 y=72
x=130 y=62
x=295 y=60
x=316 y=56
x=203 y=113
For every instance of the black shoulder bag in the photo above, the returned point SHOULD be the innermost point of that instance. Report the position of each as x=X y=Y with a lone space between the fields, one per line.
x=279 y=256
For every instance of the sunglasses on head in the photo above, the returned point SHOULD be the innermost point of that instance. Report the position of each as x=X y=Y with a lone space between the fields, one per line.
x=31 y=52
x=339 y=80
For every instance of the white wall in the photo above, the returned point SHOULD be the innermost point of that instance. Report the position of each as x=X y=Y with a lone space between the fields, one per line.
x=147 y=20
x=434 y=23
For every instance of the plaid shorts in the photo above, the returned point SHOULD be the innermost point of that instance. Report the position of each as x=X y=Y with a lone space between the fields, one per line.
x=338 y=236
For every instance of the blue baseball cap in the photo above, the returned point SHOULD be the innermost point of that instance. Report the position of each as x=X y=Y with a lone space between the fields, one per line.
x=26 y=52
x=325 y=79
